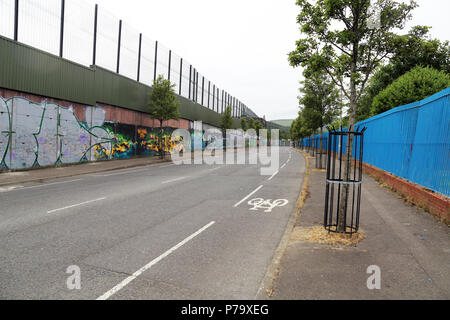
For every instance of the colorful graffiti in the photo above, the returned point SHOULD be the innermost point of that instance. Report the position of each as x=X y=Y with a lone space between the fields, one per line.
x=148 y=141
x=45 y=134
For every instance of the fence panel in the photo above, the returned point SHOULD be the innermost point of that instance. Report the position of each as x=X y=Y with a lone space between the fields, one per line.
x=175 y=71
x=430 y=158
x=79 y=32
x=411 y=142
x=147 y=61
x=40 y=24
x=129 y=52
x=162 y=68
x=107 y=40
x=7 y=18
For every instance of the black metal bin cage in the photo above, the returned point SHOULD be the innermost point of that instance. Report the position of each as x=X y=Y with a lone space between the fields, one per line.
x=343 y=190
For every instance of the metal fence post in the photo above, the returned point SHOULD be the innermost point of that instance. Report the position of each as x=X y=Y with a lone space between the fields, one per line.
x=203 y=91
x=118 y=45
x=218 y=100
x=181 y=73
x=156 y=61
x=209 y=92
x=223 y=99
x=170 y=64
x=61 y=35
x=139 y=58
x=94 y=54
x=214 y=98
x=16 y=20
x=190 y=82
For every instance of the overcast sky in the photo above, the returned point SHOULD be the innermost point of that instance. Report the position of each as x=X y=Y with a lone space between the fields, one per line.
x=242 y=45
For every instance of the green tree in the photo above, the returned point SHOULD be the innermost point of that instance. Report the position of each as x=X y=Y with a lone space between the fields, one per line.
x=251 y=123
x=342 y=39
x=258 y=127
x=411 y=50
x=163 y=105
x=244 y=124
x=415 y=85
x=226 y=121
x=320 y=101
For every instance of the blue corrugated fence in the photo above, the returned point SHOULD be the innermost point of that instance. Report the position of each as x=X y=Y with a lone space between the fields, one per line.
x=411 y=142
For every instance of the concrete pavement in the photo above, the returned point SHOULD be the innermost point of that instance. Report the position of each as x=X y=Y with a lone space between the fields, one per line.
x=411 y=248
x=153 y=232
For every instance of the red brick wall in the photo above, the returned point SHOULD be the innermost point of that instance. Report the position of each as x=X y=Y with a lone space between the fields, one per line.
x=113 y=114
x=435 y=203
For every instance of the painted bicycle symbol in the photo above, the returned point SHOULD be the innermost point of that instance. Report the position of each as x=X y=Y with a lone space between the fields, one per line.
x=267 y=205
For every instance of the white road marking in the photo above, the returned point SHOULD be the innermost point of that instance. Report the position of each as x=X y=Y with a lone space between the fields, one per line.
x=120 y=173
x=38 y=186
x=75 y=205
x=174 y=180
x=284 y=165
x=8 y=189
x=127 y=281
x=273 y=176
x=170 y=165
x=243 y=200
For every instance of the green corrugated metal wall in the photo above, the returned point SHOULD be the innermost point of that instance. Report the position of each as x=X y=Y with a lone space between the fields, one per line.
x=26 y=69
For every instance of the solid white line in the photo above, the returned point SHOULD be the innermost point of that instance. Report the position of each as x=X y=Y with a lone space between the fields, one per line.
x=75 y=205
x=273 y=176
x=240 y=202
x=125 y=282
x=174 y=180
x=284 y=165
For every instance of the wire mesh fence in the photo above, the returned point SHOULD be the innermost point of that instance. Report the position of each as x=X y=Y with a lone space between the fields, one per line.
x=90 y=35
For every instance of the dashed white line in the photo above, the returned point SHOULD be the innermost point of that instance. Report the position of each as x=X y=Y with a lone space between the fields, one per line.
x=166 y=166
x=174 y=180
x=127 y=281
x=16 y=188
x=243 y=200
x=75 y=205
x=273 y=176
x=283 y=166
x=120 y=173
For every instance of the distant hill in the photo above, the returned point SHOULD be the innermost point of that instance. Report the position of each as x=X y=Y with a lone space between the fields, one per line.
x=284 y=123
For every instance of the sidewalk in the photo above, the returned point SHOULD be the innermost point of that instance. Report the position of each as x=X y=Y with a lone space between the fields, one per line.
x=40 y=174
x=411 y=248
x=14 y=178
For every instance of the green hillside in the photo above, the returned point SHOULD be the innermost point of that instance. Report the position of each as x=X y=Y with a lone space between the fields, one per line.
x=284 y=123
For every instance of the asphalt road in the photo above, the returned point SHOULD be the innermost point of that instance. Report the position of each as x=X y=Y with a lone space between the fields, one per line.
x=156 y=232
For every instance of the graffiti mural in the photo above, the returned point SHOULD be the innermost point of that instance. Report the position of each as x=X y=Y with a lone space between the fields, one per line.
x=47 y=134
x=34 y=135
x=148 y=141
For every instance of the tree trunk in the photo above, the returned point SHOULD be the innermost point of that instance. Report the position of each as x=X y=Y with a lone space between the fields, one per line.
x=345 y=189
x=320 y=148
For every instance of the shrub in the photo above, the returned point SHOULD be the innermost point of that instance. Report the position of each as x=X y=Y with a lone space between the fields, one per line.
x=415 y=85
